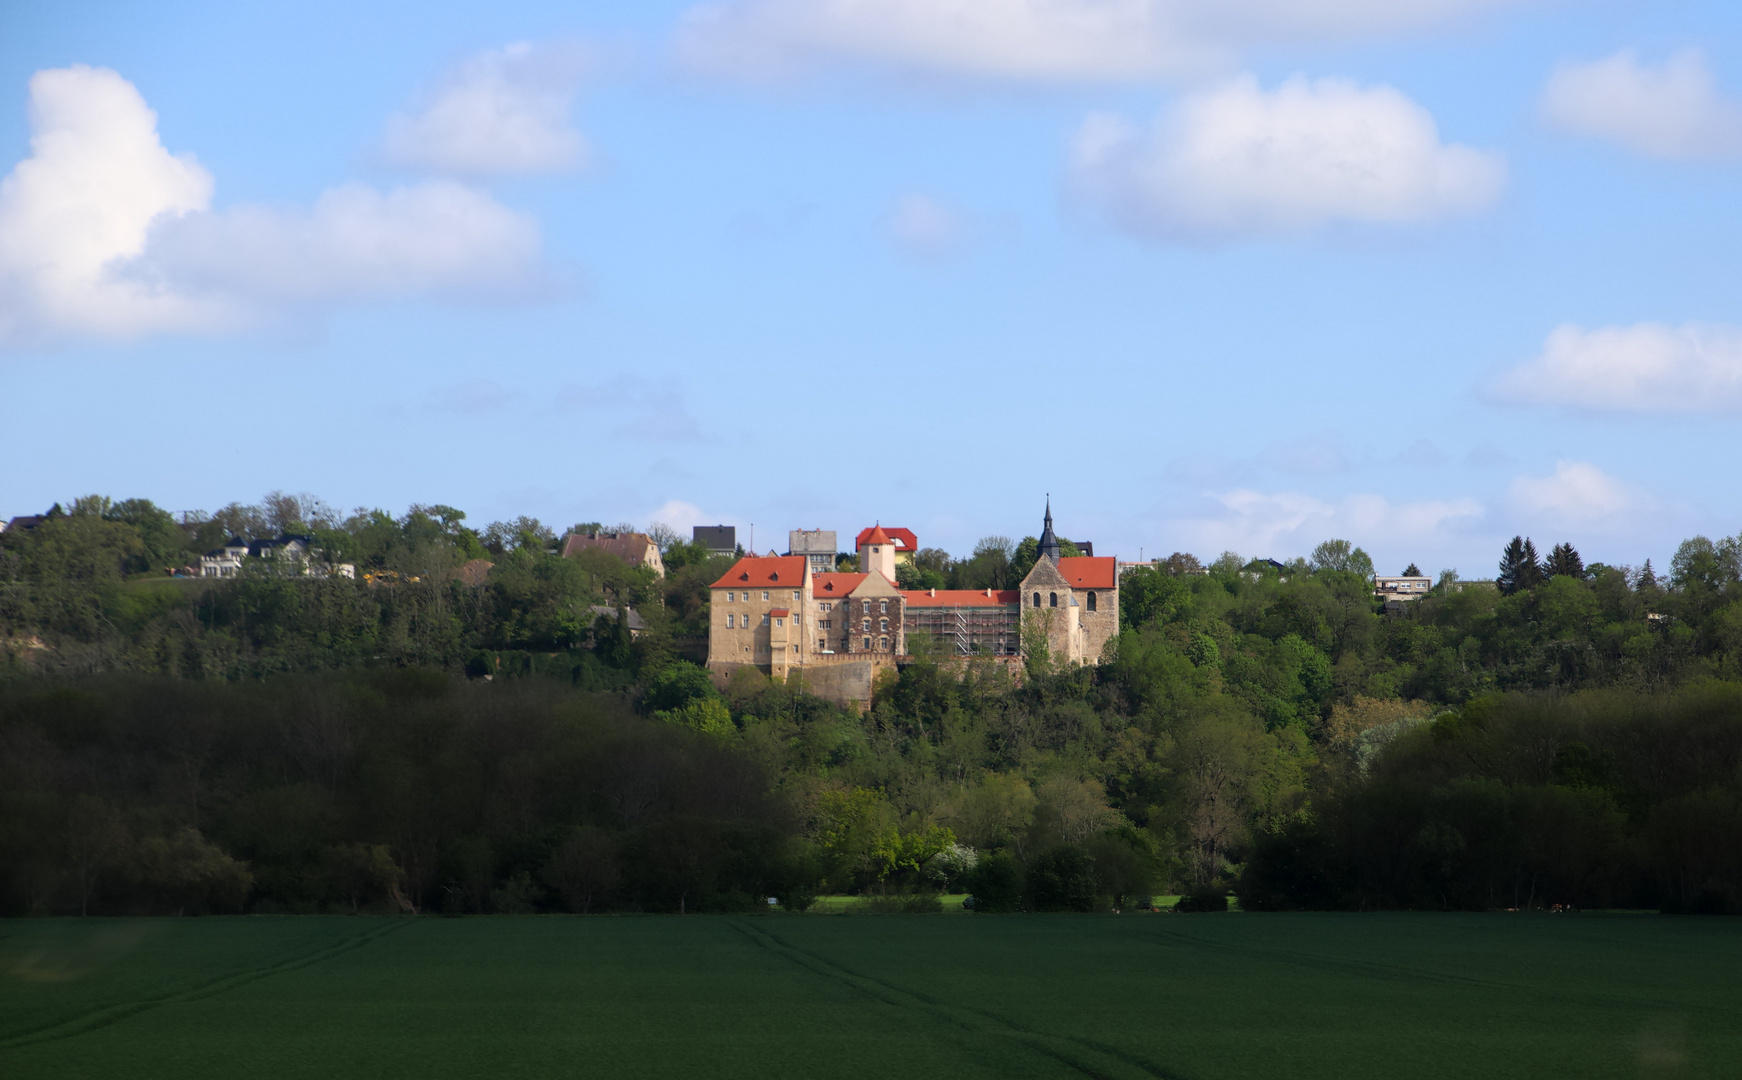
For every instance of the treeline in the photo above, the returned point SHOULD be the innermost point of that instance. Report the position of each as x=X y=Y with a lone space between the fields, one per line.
x=1598 y=799
x=386 y=790
x=88 y=592
x=1563 y=735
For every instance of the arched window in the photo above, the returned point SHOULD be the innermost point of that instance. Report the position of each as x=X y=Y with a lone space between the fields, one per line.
x=883 y=607
x=1036 y=599
x=867 y=625
x=1052 y=599
x=1091 y=601
x=883 y=626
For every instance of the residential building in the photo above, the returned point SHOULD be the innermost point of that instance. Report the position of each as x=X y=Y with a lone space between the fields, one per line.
x=225 y=561
x=24 y=523
x=1401 y=588
x=816 y=545
x=290 y=552
x=636 y=549
x=718 y=539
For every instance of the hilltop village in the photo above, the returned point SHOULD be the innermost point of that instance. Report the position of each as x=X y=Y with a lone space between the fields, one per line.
x=779 y=613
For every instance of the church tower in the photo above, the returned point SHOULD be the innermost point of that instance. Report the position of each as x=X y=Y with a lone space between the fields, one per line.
x=1049 y=544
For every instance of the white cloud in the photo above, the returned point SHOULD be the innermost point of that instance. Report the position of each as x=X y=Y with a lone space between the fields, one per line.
x=1240 y=161
x=926 y=228
x=1055 y=40
x=104 y=233
x=684 y=516
x=1672 y=110
x=1280 y=524
x=502 y=111
x=1644 y=368
x=1576 y=492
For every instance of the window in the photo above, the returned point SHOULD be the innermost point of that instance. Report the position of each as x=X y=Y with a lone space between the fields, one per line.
x=883 y=643
x=764 y=594
x=883 y=626
x=780 y=622
x=867 y=624
x=882 y=607
x=1091 y=601
x=867 y=607
x=795 y=593
x=867 y=643
x=825 y=624
x=729 y=619
x=746 y=598
x=764 y=620
x=730 y=597
x=1036 y=599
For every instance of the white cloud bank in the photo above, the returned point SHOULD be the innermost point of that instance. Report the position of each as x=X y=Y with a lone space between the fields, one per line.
x=1672 y=110
x=1576 y=493
x=502 y=111
x=1281 y=524
x=1240 y=161
x=1046 y=40
x=104 y=233
x=1645 y=368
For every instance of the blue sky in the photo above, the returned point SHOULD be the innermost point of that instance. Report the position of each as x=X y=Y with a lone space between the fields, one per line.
x=1422 y=274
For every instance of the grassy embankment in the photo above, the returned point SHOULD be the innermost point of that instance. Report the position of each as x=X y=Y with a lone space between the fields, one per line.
x=1205 y=996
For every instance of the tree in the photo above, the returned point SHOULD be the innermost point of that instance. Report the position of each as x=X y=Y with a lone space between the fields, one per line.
x=1519 y=570
x=1563 y=561
x=1412 y=570
x=1341 y=556
x=1180 y=563
x=583 y=868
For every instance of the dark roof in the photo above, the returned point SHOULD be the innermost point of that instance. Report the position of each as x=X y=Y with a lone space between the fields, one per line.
x=1049 y=544
x=716 y=537
x=26 y=522
x=235 y=541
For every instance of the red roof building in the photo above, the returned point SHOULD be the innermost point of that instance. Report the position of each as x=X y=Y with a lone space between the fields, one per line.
x=905 y=542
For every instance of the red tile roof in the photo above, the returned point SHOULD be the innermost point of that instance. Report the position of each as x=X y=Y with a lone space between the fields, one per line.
x=878 y=536
x=1090 y=572
x=769 y=571
x=780 y=611
x=960 y=597
x=824 y=586
x=903 y=539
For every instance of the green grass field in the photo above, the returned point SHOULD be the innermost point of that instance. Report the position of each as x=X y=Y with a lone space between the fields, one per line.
x=1168 y=996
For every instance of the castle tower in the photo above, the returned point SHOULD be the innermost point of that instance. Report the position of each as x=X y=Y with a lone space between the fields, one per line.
x=877 y=554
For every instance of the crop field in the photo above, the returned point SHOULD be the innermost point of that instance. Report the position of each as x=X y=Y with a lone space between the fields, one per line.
x=1171 y=996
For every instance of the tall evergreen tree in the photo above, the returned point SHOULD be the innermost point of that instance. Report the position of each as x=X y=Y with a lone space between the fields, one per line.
x=1563 y=561
x=1412 y=571
x=1518 y=567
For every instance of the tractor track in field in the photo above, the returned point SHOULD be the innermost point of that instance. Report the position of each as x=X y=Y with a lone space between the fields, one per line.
x=1402 y=973
x=1085 y=1056
x=103 y=1016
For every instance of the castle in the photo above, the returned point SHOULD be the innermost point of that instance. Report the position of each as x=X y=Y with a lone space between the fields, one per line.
x=777 y=613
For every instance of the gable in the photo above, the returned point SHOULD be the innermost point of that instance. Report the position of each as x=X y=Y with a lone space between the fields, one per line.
x=1045 y=576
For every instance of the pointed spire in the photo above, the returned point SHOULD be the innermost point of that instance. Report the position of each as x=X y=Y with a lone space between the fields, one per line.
x=1049 y=544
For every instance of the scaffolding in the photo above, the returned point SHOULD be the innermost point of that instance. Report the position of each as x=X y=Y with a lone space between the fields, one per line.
x=970 y=631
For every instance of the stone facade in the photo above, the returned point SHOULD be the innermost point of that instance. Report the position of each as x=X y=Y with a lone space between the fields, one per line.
x=779 y=615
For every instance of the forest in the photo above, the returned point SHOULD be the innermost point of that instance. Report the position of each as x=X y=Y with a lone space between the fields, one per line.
x=417 y=739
